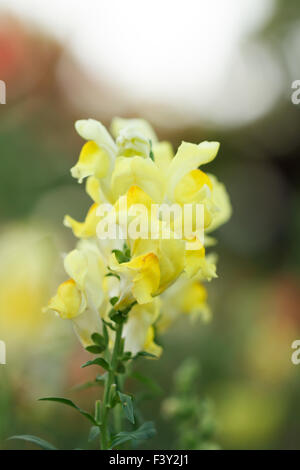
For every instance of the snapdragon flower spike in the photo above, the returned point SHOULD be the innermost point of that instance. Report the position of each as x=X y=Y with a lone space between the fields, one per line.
x=136 y=280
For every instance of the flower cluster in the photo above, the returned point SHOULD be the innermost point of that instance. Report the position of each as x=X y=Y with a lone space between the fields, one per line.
x=146 y=282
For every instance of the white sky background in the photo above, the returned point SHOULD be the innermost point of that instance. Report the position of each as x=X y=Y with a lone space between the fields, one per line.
x=184 y=54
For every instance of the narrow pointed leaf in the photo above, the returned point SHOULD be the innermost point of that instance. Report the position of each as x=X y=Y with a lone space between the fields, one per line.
x=99 y=340
x=95 y=349
x=67 y=402
x=94 y=432
x=35 y=440
x=144 y=354
x=127 y=406
x=99 y=361
x=146 y=431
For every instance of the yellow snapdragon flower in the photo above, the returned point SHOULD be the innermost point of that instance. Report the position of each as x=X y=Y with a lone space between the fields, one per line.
x=139 y=331
x=82 y=297
x=154 y=263
x=85 y=297
x=27 y=273
x=187 y=297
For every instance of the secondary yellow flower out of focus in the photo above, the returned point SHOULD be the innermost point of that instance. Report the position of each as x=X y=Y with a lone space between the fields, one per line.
x=27 y=272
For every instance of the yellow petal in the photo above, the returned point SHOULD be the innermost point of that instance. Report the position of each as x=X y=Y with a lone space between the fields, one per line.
x=221 y=200
x=188 y=188
x=188 y=158
x=186 y=296
x=86 y=324
x=194 y=296
x=150 y=346
x=170 y=255
x=90 y=129
x=86 y=266
x=93 y=189
x=197 y=264
x=163 y=154
x=76 y=266
x=69 y=301
x=136 y=195
x=171 y=261
x=133 y=137
x=87 y=228
x=139 y=125
x=139 y=172
x=142 y=276
x=146 y=281
x=136 y=329
x=93 y=161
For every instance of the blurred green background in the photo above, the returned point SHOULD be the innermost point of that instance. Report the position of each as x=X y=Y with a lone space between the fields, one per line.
x=245 y=352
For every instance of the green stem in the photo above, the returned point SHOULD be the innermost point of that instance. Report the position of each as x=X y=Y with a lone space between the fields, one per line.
x=118 y=418
x=109 y=382
x=117 y=412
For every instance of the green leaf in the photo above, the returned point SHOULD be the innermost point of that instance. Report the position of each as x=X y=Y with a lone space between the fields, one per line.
x=127 y=406
x=98 y=382
x=99 y=340
x=121 y=368
x=67 y=402
x=99 y=361
x=151 y=154
x=109 y=325
x=112 y=275
x=35 y=440
x=126 y=251
x=105 y=334
x=120 y=256
x=144 y=354
x=116 y=316
x=94 y=349
x=94 y=432
x=114 y=300
x=146 y=431
x=126 y=356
